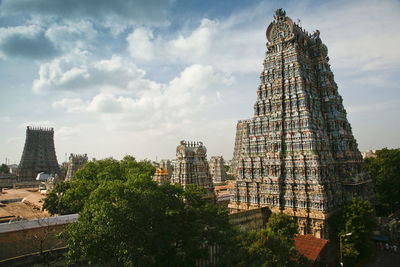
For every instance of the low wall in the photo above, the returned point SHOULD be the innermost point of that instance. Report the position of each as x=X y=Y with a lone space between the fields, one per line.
x=249 y=220
x=32 y=236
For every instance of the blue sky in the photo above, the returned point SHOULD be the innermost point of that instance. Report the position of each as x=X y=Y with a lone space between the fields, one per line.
x=135 y=77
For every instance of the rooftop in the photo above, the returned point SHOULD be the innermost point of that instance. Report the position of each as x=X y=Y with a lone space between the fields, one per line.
x=309 y=246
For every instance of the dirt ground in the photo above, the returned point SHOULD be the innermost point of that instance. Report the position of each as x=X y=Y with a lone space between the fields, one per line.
x=30 y=207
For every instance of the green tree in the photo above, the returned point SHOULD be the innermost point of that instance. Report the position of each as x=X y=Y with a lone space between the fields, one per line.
x=70 y=197
x=126 y=218
x=140 y=223
x=273 y=246
x=4 y=168
x=358 y=219
x=385 y=173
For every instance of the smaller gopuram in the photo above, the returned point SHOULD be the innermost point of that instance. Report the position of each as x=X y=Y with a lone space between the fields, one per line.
x=76 y=161
x=217 y=170
x=39 y=154
x=191 y=166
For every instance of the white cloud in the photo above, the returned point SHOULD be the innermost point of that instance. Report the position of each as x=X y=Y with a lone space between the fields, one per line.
x=66 y=133
x=75 y=72
x=140 y=44
x=154 y=106
x=72 y=34
x=70 y=104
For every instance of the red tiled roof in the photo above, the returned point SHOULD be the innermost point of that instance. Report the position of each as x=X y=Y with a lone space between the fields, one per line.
x=309 y=246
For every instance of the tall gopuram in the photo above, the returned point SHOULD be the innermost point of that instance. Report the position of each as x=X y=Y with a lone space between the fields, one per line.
x=76 y=162
x=297 y=155
x=191 y=166
x=39 y=154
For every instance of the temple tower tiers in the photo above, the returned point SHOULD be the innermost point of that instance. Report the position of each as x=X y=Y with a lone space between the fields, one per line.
x=217 y=169
x=39 y=154
x=76 y=161
x=191 y=166
x=297 y=155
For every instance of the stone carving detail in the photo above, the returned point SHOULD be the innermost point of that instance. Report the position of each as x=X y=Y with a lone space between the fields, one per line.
x=297 y=154
x=39 y=154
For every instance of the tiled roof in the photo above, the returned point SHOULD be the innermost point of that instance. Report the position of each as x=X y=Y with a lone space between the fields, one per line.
x=309 y=246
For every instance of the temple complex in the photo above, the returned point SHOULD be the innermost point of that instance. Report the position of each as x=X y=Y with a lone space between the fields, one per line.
x=39 y=154
x=297 y=155
x=217 y=170
x=191 y=166
x=76 y=161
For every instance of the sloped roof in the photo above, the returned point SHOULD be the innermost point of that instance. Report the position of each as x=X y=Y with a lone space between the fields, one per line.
x=309 y=246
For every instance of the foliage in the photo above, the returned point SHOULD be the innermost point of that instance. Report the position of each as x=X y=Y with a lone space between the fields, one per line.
x=385 y=173
x=140 y=223
x=4 y=168
x=70 y=197
x=273 y=246
x=125 y=217
x=63 y=171
x=358 y=219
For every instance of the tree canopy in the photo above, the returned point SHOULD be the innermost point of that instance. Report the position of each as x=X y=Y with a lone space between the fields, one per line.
x=385 y=173
x=357 y=219
x=70 y=197
x=126 y=217
x=273 y=246
x=4 y=168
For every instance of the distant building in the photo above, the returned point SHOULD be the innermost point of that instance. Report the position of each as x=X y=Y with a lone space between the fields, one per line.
x=191 y=166
x=76 y=161
x=39 y=154
x=217 y=169
x=162 y=176
x=368 y=154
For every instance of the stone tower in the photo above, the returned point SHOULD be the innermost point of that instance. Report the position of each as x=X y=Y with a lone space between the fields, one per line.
x=191 y=166
x=297 y=155
x=217 y=170
x=39 y=154
x=76 y=162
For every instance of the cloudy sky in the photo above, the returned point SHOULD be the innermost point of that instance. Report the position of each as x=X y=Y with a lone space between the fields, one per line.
x=135 y=77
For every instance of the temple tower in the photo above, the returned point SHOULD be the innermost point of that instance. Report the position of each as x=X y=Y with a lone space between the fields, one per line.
x=217 y=170
x=297 y=155
x=39 y=154
x=76 y=162
x=191 y=166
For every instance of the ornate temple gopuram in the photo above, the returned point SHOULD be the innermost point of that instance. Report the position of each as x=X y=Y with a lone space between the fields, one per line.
x=76 y=161
x=191 y=166
x=297 y=155
x=217 y=170
x=39 y=154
